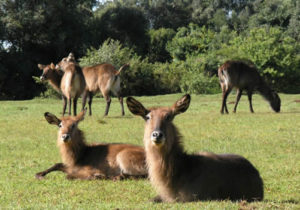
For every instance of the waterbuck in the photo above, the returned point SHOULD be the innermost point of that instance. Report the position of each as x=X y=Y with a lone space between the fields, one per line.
x=104 y=78
x=52 y=75
x=182 y=177
x=72 y=84
x=96 y=161
x=243 y=76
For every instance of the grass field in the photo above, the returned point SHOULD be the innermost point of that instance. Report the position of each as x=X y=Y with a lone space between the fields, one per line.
x=269 y=140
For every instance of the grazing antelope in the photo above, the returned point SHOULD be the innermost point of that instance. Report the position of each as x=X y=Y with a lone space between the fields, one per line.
x=72 y=83
x=178 y=176
x=52 y=75
x=242 y=76
x=96 y=161
x=104 y=78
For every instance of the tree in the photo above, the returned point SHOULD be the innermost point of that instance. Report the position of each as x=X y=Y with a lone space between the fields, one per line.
x=39 y=32
x=158 y=41
x=126 y=24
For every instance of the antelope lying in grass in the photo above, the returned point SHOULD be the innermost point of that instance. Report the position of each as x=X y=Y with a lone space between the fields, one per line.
x=72 y=83
x=97 y=161
x=242 y=76
x=104 y=78
x=178 y=176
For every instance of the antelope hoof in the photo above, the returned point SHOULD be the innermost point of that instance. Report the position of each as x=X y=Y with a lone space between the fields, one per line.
x=156 y=199
x=118 y=178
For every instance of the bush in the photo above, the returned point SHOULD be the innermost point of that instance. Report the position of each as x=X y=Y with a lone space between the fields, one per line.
x=273 y=52
x=158 y=41
x=190 y=41
x=199 y=84
x=139 y=79
x=46 y=90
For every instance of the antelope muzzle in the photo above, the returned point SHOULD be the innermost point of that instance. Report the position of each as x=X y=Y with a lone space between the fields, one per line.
x=65 y=137
x=157 y=137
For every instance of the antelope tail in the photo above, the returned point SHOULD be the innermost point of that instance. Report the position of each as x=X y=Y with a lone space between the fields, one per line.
x=121 y=68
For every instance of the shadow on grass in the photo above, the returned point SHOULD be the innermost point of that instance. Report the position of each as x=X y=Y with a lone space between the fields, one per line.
x=118 y=117
x=101 y=121
x=290 y=201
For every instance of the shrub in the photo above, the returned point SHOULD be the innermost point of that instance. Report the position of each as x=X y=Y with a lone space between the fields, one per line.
x=158 y=41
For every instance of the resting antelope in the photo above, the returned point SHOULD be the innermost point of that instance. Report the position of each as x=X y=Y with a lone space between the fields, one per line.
x=242 y=76
x=178 y=176
x=104 y=78
x=72 y=83
x=96 y=161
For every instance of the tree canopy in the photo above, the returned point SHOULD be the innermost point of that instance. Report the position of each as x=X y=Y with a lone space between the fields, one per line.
x=167 y=37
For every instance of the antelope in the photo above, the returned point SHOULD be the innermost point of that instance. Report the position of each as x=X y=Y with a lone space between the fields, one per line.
x=72 y=84
x=52 y=75
x=95 y=161
x=182 y=177
x=244 y=76
x=104 y=78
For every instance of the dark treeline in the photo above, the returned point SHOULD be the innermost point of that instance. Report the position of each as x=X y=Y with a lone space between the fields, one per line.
x=172 y=45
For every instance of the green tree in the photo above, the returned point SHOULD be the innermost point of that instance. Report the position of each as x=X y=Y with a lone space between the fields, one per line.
x=127 y=24
x=157 y=47
x=189 y=41
x=38 y=32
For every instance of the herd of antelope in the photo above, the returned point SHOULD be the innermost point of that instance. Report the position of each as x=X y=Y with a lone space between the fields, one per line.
x=176 y=175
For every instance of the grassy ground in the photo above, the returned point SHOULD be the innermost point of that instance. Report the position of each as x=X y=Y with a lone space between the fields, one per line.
x=28 y=145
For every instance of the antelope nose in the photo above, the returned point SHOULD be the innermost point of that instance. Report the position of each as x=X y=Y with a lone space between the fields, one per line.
x=42 y=78
x=65 y=137
x=156 y=136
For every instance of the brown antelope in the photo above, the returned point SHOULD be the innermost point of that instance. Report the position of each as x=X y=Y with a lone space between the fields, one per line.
x=244 y=76
x=104 y=78
x=52 y=75
x=96 y=161
x=72 y=83
x=178 y=176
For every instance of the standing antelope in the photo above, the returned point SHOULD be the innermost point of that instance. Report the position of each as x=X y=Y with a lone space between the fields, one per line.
x=52 y=75
x=242 y=76
x=178 y=176
x=97 y=161
x=72 y=83
x=104 y=78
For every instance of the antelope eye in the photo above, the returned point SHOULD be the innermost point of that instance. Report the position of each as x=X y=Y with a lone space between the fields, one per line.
x=73 y=125
x=148 y=117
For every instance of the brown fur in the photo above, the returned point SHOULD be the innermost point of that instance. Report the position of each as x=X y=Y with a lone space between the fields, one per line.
x=72 y=83
x=97 y=161
x=52 y=75
x=178 y=176
x=244 y=76
x=104 y=78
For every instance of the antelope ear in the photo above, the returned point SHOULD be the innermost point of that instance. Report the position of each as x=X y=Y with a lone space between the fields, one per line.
x=81 y=115
x=52 y=66
x=182 y=104
x=71 y=57
x=136 y=108
x=52 y=119
x=41 y=66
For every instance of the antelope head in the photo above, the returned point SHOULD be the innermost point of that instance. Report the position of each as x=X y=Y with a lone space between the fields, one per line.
x=48 y=71
x=159 y=129
x=67 y=126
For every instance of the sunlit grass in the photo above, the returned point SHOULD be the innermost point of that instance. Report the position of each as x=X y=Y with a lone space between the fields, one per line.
x=28 y=145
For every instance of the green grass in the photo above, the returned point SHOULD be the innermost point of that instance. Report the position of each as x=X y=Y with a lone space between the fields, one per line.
x=28 y=145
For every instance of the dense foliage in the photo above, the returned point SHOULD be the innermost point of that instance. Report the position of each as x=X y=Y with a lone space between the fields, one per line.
x=172 y=45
